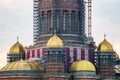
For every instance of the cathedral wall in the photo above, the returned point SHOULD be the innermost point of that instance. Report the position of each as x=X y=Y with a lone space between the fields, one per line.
x=20 y=79
x=55 y=79
x=85 y=79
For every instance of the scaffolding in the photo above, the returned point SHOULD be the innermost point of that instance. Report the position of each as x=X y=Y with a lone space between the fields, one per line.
x=66 y=17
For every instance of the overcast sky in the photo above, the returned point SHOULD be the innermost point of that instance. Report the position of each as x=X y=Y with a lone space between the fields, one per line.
x=16 y=19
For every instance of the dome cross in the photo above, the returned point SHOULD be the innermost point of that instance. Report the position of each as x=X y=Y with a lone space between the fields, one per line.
x=17 y=38
x=104 y=36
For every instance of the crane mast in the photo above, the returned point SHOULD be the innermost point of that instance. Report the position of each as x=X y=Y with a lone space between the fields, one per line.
x=89 y=3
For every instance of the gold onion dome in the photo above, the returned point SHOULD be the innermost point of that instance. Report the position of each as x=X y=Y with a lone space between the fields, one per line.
x=55 y=41
x=23 y=65
x=105 y=46
x=82 y=65
x=17 y=48
x=117 y=56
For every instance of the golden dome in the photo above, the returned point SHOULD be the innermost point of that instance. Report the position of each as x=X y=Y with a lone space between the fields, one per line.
x=117 y=56
x=23 y=65
x=82 y=65
x=105 y=46
x=17 y=48
x=55 y=41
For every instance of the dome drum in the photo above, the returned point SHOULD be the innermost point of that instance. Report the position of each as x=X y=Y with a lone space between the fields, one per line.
x=21 y=74
x=105 y=53
x=55 y=49
x=87 y=74
x=64 y=4
x=15 y=57
x=78 y=73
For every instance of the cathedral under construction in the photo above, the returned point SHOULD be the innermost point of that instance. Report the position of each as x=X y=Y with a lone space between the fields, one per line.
x=62 y=50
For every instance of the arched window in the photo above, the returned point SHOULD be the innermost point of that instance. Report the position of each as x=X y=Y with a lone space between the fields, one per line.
x=43 y=22
x=48 y=21
x=73 y=21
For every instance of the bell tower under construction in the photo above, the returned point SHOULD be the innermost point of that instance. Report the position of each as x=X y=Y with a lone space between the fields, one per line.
x=67 y=17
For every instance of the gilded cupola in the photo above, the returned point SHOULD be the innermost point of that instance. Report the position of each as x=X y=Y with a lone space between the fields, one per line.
x=105 y=46
x=17 y=48
x=23 y=65
x=54 y=42
x=117 y=56
x=82 y=65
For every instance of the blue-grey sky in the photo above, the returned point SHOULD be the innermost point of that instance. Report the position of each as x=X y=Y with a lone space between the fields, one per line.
x=16 y=19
